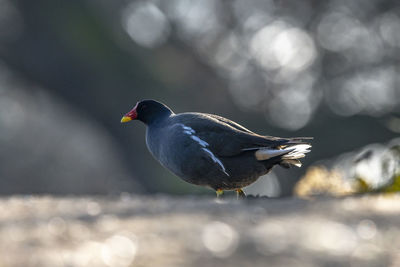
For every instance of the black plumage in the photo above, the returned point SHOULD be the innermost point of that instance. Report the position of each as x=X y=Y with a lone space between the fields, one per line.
x=212 y=151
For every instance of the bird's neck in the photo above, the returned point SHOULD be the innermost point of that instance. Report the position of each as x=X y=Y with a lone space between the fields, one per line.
x=158 y=120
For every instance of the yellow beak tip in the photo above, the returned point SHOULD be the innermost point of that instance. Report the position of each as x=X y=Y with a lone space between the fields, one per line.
x=125 y=119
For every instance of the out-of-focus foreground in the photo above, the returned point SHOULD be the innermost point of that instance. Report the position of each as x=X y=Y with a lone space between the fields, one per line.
x=165 y=231
x=69 y=70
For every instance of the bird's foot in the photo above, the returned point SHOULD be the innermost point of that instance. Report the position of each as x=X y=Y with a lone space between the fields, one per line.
x=219 y=192
x=240 y=193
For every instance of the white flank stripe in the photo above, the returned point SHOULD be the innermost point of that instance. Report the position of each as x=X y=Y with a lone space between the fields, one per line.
x=198 y=140
x=189 y=131
x=216 y=160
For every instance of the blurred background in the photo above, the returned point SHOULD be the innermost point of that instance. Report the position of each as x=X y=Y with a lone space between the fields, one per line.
x=69 y=70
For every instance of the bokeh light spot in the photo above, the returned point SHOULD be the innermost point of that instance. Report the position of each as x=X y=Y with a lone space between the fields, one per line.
x=220 y=239
x=119 y=251
x=146 y=24
x=279 y=45
x=366 y=229
x=93 y=208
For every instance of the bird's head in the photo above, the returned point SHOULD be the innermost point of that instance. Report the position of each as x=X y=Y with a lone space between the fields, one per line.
x=147 y=111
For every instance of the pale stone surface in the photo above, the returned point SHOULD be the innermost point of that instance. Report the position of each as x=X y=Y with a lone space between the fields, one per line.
x=193 y=231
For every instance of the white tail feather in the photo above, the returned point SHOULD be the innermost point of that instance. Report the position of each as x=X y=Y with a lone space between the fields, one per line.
x=298 y=152
x=267 y=153
x=294 y=162
x=289 y=153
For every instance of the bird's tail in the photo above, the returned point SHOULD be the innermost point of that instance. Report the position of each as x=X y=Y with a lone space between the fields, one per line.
x=288 y=155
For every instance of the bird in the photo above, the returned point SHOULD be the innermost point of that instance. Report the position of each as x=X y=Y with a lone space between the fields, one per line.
x=213 y=151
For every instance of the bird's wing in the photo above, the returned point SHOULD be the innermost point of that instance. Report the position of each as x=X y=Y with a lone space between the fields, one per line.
x=226 y=138
x=233 y=124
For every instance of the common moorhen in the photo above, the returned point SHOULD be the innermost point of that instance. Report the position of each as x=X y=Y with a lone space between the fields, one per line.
x=209 y=150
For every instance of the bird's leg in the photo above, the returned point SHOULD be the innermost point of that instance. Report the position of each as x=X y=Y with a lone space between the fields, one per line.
x=240 y=193
x=219 y=192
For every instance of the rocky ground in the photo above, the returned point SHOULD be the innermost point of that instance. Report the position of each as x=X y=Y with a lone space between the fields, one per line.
x=193 y=231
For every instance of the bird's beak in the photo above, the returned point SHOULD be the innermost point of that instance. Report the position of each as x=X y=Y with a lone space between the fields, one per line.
x=131 y=115
x=125 y=119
